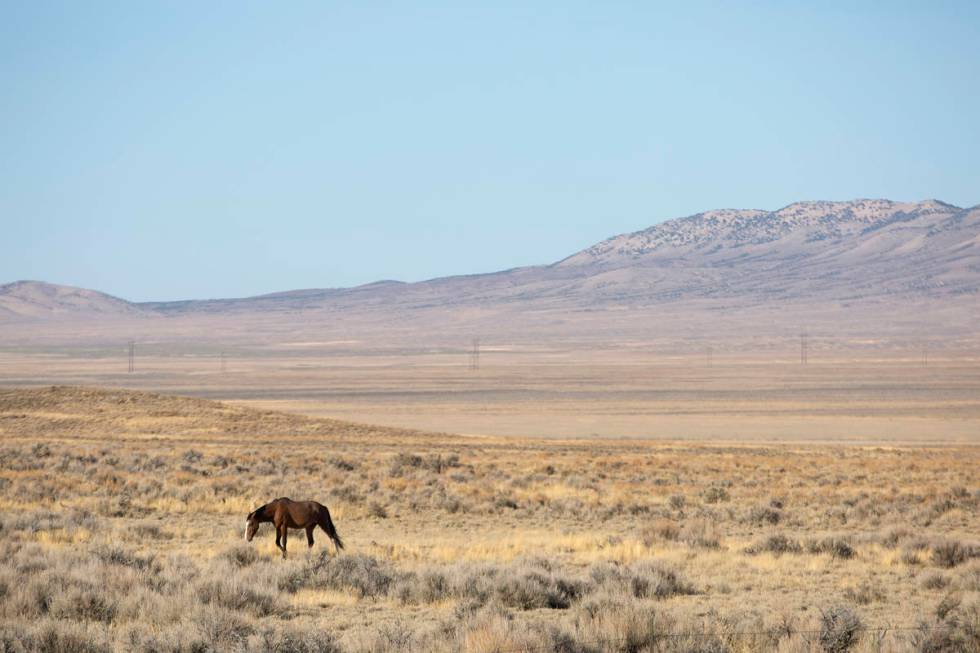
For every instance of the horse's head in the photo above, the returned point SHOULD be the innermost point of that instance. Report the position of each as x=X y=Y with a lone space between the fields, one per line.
x=251 y=525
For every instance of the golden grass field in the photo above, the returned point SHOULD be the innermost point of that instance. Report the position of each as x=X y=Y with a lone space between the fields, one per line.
x=122 y=512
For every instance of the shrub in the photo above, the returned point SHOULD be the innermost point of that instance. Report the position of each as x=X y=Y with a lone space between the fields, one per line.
x=437 y=464
x=393 y=637
x=41 y=450
x=241 y=555
x=375 y=509
x=347 y=493
x=121 y=557
x=556 y=640
x=840 y=629
x=86 y=603
x=452 y=505
x=776 y=545
x=716 y=494
x=838 y=548
x=231 y=594
x=658 y=581
x=192 y=456
x=958 y=630
x=643 y=580
x=864 y=593
x=765 y=515
x=428 y=587
x=222 y=629
x=343 y=464
x=530 y=589
x=146 y=531
x=281 y=640
x=949 y=603
x=403 y=461
x=935 y=581
x=173 y=639
x=701 y=532
x=950 y=553
x=491 y=632
x=610 y=625
x=361 y=574
x=504 y=501
x=52 y=637
x=662 y=529
x=893 y=537
x=959 y=492
x=969 y=580
x=32 y=598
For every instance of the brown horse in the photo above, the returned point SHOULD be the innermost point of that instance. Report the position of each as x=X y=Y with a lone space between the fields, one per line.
x=285 y=514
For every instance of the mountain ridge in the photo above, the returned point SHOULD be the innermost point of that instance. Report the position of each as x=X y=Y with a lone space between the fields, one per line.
x=757 y=226
x=828 y=250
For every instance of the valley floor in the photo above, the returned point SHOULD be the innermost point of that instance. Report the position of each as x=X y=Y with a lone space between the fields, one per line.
x=660 y=391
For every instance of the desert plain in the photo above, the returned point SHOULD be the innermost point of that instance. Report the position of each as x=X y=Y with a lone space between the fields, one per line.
x=569 y=499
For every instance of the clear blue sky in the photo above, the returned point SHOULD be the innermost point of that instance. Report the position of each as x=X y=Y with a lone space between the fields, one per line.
x=203 y=149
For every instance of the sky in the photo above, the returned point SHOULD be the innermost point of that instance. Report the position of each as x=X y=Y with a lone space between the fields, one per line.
x=178 y=150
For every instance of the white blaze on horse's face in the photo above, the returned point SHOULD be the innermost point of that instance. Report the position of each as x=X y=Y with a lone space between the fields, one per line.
x=251 y=525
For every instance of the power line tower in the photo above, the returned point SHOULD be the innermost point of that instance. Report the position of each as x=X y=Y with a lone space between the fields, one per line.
x=804 y=347
x=132 y=356
x=475 y=355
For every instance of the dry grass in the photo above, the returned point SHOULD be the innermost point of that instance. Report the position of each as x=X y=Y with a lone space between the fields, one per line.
x=121 y=518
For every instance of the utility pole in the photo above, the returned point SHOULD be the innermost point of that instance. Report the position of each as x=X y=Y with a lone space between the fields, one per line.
x=132 y=356
x=475 y=355
x=925 y=355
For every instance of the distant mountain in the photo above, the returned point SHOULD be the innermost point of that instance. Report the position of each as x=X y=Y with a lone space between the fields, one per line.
x=839 y=253
x=37 y=299
x=840 y=250
x=728 y=234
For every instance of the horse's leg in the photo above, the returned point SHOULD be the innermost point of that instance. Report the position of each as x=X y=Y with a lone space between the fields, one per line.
x=278 y=537
x=285 y=536
x=309 y=535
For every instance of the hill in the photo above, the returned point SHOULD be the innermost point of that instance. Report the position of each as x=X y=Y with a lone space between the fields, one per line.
x=37 y=299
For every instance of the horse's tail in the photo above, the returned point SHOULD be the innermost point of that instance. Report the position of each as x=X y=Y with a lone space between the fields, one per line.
x=327 y=525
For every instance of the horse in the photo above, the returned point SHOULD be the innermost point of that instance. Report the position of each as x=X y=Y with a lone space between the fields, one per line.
x=284 y=513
